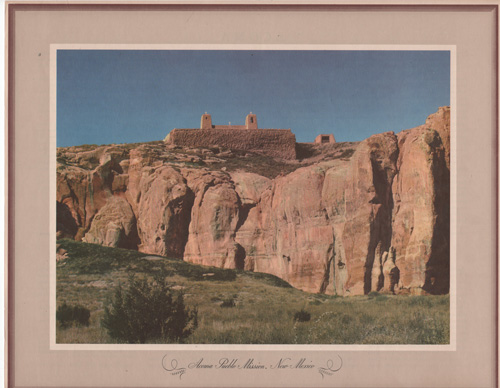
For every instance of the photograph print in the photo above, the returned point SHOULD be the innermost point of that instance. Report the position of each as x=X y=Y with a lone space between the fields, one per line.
x=252 y=197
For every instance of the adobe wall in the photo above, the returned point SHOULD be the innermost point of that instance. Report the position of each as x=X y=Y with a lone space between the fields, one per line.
x=273 y=142
x=228 y=127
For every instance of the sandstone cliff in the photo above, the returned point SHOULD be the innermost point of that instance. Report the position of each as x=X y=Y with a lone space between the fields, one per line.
x=346 y=218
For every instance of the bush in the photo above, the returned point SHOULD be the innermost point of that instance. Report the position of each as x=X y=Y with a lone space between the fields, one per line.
x=377 y=296
x=148 y=312
x=302 y=316
x=228 y=303
x=68 y=315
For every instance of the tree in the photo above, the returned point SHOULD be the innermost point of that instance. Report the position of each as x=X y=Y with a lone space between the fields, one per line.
x=69 y=315
x=148 y=312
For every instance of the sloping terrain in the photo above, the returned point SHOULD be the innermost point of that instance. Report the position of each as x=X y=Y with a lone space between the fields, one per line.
x=261 y=308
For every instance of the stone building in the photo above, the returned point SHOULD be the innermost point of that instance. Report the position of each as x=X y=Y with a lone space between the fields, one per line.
x=325 y=139
x=248 y=137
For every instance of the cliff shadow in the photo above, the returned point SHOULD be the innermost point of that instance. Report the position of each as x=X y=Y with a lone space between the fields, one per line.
x=239 y=257
x=65 y=223
x=437 y=272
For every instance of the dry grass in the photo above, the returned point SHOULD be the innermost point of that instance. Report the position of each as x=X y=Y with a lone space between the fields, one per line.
x=264 y=306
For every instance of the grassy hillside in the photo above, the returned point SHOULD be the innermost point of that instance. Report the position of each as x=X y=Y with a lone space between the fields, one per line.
x=261 y=309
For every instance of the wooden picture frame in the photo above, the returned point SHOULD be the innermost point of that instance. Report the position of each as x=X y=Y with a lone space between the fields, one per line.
x=36 y=29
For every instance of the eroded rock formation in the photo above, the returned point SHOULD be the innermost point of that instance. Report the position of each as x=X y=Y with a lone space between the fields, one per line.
x=355 y=218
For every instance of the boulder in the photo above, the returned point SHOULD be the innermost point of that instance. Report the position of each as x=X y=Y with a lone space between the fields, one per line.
x=114 y=226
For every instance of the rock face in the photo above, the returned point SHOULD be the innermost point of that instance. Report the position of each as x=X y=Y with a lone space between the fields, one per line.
x=163 y=207
x=371 y=216
x=214 y=217
x=114 y=225
x=421 y=216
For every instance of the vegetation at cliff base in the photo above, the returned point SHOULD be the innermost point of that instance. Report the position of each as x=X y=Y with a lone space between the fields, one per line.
x=148 y=311
x=222 y=306
x=72 y=315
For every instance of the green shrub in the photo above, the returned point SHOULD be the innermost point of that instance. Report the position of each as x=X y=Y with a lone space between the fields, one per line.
x=69 y=315
x=228 y=303
x=148 y=312
x=302 y=316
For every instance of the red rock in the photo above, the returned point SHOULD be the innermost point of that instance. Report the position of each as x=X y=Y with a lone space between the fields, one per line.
x=164 y=213
x=287 y=234
x=440 y=122
x=114 y=225
x=374 y=217
x=421 y=211
x=214 y=218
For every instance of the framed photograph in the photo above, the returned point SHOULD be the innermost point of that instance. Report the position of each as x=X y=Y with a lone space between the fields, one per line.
x=231 y=194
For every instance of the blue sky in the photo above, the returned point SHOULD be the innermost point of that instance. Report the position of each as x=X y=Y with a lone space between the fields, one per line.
x=128 y=96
